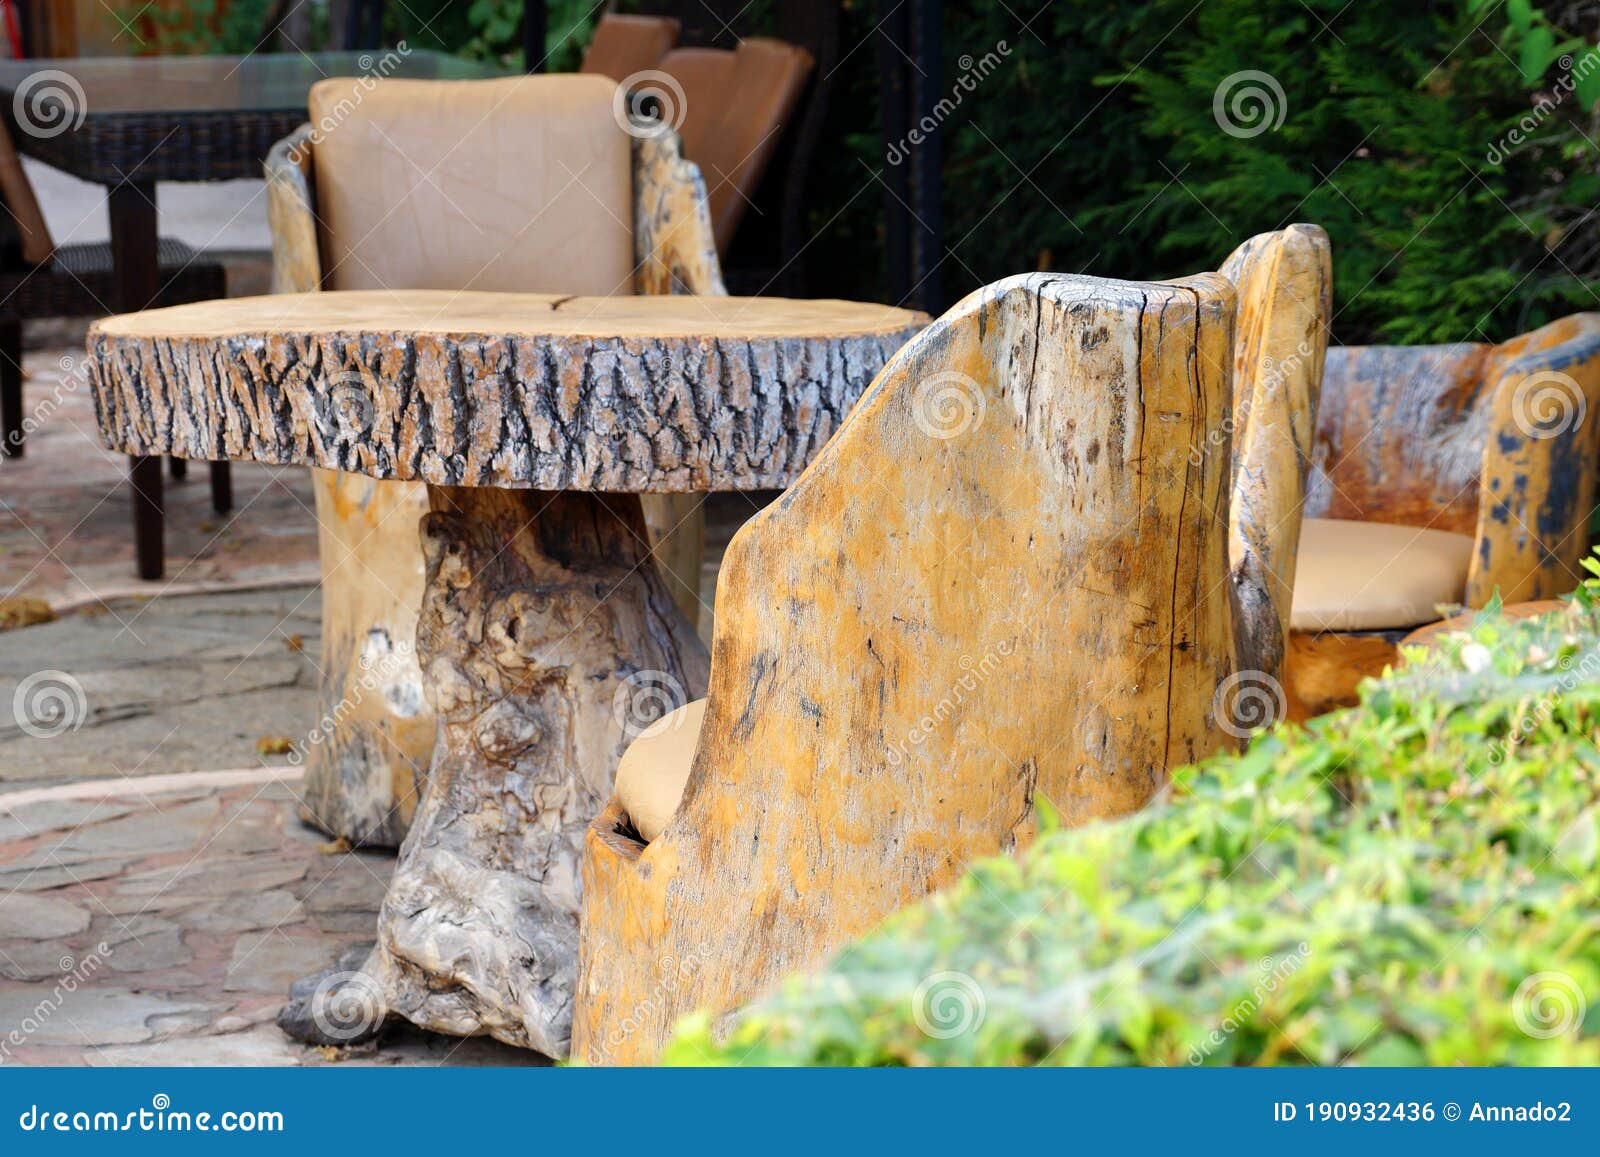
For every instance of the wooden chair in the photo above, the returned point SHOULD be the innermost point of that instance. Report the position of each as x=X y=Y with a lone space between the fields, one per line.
x=624 y=46
x=1004 y=577
x=420 y=186
x=736 y=106
x=1441 y=475
x=40 y=279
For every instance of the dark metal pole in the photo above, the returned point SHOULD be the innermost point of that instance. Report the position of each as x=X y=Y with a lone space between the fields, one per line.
x=927 y=89
x=894 y=86
x=535 y=23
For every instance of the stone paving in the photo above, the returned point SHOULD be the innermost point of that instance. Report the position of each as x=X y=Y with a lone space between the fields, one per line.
x=164 y=927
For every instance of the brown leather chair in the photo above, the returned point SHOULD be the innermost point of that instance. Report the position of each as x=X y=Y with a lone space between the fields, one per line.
x=736 y=106
x=624 y=46
x=40 y=279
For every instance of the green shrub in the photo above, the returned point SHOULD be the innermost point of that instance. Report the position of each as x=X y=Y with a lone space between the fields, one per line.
x=1414 y=881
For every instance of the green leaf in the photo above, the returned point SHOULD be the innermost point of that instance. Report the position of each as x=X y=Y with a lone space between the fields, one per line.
x=1538 y=50
x=1588 y=62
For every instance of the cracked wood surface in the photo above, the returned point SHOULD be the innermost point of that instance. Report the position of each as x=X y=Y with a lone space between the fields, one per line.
x=636 y=394
x=1013 y=505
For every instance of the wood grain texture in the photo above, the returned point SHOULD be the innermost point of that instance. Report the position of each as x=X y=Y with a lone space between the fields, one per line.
x=375 y=728
x=1540 y=451
x=1285 y=286
x=292 y=215
x=639 y=394
x=1323 y=670
x=547 y=641
x=674 y=249
x=1013 y=505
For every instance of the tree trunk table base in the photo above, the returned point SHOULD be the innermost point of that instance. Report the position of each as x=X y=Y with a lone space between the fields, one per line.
x=547 y=640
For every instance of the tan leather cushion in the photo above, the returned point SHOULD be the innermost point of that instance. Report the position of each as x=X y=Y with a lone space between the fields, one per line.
x=1370 y=576
x=655 y=768
x=623 y=46
x=33 y=234
x=516 y=184
x=736 y=106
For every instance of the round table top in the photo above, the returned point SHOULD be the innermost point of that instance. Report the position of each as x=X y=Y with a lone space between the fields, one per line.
x=635 y=394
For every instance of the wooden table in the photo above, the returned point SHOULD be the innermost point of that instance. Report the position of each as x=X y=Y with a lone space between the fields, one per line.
x=127 y=123
x=547 y=638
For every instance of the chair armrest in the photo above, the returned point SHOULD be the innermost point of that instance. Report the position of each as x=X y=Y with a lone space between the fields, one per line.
x=1537 y=486
x=291 y=212
x=674 y=248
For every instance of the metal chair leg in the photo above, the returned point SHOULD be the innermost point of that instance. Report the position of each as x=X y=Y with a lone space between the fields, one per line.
x=11 y=432
x=221 y=487
x=144 y=477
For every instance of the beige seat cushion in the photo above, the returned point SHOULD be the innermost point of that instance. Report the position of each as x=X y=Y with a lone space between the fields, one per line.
x=522 y=184
x=1370 y=576
x=655 y=768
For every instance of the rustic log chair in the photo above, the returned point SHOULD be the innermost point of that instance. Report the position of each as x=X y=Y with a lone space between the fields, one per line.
x=1004 y=577
x=347 y=208
x=1441 y=476
x=623 y=46
x=38 y=279
x=1285 y=285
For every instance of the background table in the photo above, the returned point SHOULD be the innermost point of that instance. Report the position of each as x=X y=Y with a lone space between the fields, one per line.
x=547 y=638
x=127 y=123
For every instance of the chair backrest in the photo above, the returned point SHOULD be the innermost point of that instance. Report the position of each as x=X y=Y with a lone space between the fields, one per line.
x=1285 y=286
x=515 y=184
x=1003 y=578
x=624 y=46
x=33 y=233
x=736 y=105
x=1400 y=432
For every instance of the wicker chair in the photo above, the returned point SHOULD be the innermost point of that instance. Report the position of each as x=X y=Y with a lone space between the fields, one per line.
x=39 y=279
